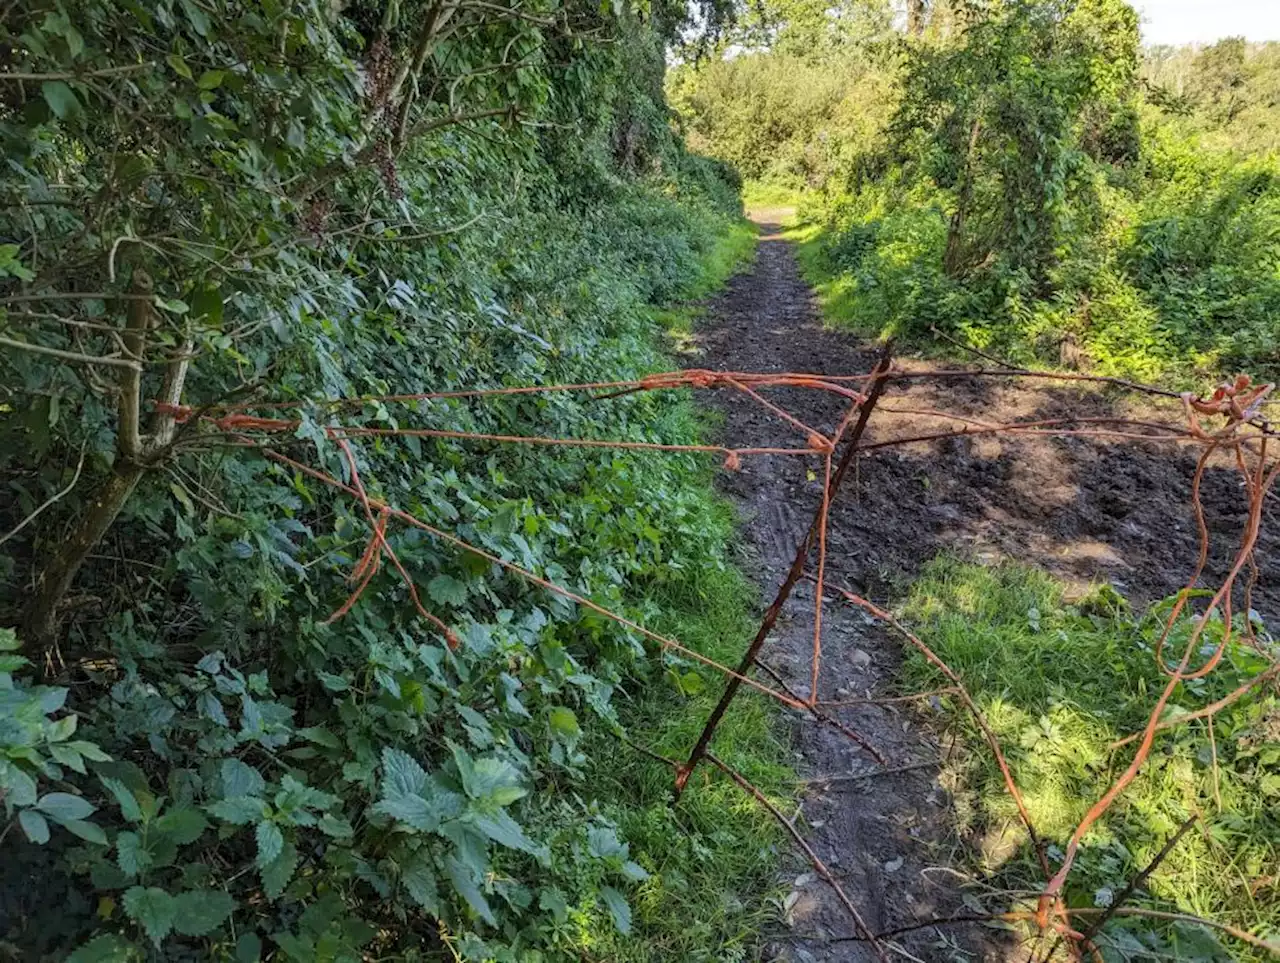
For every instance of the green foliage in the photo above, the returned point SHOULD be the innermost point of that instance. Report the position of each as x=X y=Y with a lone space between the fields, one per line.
x=1059 y=683
x=225 y=195
x=1021 y=177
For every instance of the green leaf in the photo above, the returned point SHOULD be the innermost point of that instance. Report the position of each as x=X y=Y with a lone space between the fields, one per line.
x=248 y=948
x=618 y=908
x=201 y=911
x=89 y=832
x=63 y=807
x=270 y=843
x=276 y=876
x=63 y=729
x=211 y=79
x=402 y=776
x=468 y=890
x=34 y=825
x=447 y=590
x=20 y=789
x=183 y=826
x=564 y=722
x=504 y=830
x=240 y=779
x=420 y=883
x=553 y=901
x=12 y=663
x=179 y=65
x=129 y=807
x=68 y=757
x=9 y=640
x=89 y=750
x=335 y=826
x=239 y=810
x=153 y=909
x=494 y=780
x=132 y=856
x=108 y=948
x=634 y=872
x=61 y=99
x=321 y=737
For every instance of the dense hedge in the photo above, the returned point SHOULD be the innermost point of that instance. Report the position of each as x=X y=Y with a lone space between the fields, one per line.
x=297 y=202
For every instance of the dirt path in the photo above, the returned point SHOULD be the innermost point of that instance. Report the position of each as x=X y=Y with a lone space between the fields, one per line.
x=1086 y=510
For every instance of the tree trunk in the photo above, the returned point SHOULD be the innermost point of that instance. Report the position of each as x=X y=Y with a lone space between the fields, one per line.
x=57 y=575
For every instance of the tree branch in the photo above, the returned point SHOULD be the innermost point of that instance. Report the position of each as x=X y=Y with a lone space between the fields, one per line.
x=70 y=355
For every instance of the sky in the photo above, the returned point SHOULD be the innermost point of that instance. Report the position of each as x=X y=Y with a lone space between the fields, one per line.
x=1204 y=21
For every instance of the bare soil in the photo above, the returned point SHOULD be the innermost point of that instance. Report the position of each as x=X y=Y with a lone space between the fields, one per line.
x=1084 y=508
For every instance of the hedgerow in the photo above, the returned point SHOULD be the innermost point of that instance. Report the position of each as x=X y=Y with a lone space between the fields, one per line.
x=208 y=201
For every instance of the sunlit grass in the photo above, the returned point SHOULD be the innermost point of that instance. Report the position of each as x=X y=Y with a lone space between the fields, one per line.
x=1059 y=684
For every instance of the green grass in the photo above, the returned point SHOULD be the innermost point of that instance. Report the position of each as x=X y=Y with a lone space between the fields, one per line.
x=713 y=859
x=732 y=252
x=761 y=194
x=1059 y=683
x=837 y=290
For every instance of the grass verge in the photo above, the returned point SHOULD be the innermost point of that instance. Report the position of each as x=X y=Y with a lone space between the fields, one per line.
x=713 y=859
x=1059 y=684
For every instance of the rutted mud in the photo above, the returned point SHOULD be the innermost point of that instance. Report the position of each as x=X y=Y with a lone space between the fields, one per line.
x=1083 y=508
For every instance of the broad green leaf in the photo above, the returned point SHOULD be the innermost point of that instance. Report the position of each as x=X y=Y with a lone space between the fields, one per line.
x=128 y=802
x=89 y=751
x=447 y=590
x=63 y=729
x=153 y=909
x=200 y=912
x=240 y=779
x=89 y=832
x=12 y=663
x=61 y=99
x=270 y=842
x=564 y=722
x=108 y=948
x=210 y=79
x=618 y=908
x=68 y=757
x=466 y=888
x=62 y=807
x=494 y=780
x=504 y=830
x=34 y=826
x=179 y=65
x=9 y=640
x=20 y=789
x=420 y=883
x=239 y=810
x=402 y=775
x=276 y=875
x=131 y=854
x=183 y=825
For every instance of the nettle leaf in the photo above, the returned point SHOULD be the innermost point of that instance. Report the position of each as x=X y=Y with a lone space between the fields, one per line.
x=108 y=948
x=420 y=883
x=131 y=854
x=201 y=911
x=504 y=830
x=153 y=909
x=34 y=826
x=239 y=810
x=447 y=590
x=270 y=843
x=466 y=887
x=183 y=825
x=618 y=908
x=402 y=775
x=493 y=780
x=603 y=843
x=276 y=875
x=240 y=779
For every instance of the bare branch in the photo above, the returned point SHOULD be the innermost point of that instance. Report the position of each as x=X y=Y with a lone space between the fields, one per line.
x=70 y=355
x=48 y=501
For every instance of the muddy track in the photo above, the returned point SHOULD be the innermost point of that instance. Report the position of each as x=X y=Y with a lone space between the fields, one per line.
x=1084 y=509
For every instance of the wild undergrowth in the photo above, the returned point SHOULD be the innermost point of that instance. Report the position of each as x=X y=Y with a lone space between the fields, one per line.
x=1060 y=683
x=210 y=748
